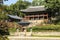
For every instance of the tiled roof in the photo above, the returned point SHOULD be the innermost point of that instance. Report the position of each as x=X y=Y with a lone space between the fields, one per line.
x=24 y=23
x=14 y=17
x=34 y=9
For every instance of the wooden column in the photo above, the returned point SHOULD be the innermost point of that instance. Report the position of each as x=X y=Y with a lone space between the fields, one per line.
x=25 y=18
x=38 y=16
x=33 y=17
x=28 y=17
x=43 y=18
x=47 y=16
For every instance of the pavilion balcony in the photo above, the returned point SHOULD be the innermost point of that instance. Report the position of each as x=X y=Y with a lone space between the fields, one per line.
x=36 y=15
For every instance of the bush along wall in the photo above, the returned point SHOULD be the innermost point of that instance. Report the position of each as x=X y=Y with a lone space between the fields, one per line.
x=45 y=28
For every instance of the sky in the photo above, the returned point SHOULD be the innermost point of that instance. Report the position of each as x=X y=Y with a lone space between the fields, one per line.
x=9 y=2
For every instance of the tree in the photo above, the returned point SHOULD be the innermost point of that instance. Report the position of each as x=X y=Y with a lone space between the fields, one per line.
x=3 y=28
x=19 y=5
x=3 y=24
x=53 y=7
x=13 y=9
x=3 y=12
x=38 y=2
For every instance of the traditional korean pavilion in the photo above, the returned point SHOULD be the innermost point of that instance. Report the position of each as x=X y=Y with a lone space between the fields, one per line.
x=35 y=13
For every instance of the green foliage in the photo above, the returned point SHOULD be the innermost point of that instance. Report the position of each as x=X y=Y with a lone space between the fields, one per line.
x=45 y=28
x=3 y=16
x=13 y=26
x=3 y=38
x=19 y=5
x=3 y=28
x=13 y=9
x=53 y=6
x=38 y=2
x=12 y=29
x=3 y=12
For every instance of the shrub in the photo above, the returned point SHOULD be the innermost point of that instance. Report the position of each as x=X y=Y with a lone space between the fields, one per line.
x=3 y=38
x=13 y=26
x=3 y=28
x=12 y=29
x=45 y=28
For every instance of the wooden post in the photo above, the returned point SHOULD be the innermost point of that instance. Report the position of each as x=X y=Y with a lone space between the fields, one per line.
x=47 y=17
x=28 y=17
x=25 y=30
x=25 y=18
x=38 y=16
x=43 y=17
x=33 y=17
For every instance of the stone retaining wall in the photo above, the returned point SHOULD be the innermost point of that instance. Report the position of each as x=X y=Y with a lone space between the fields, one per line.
x=36 y=33
x=32 y=38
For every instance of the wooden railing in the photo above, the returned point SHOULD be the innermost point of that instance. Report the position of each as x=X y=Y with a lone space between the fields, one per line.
x=35 y=15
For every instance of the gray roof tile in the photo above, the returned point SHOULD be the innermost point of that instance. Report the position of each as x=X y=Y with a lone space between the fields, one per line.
x=14 y=17
x=34 y=9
